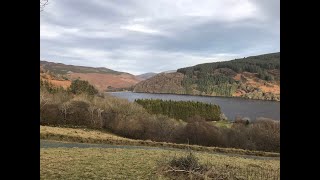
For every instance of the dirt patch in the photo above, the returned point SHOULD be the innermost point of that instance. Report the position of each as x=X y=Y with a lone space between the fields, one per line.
x=237 y=77
x=64 y=84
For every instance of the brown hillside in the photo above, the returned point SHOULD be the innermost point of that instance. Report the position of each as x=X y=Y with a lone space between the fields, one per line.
x=254 y=82
x=61 y=75
x=53 y=79
x=162 y=83
x=102 y=81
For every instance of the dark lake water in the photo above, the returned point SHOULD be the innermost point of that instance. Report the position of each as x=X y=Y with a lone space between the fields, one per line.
x=231 y=107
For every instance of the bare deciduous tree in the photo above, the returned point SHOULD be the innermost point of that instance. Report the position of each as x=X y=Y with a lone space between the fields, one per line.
x=91 y=109
x=64 y=107
x=44 y=99
x=43 y=3
x=99 y=112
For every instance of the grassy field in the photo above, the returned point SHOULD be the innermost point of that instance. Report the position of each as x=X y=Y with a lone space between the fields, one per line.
x=96 y=163
x=226 y=123
x=94 y=136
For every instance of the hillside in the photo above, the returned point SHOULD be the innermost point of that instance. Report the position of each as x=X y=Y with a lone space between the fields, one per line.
x=255 y=77
x=162 y=83
x=169 y=71
x=102 y=78
x=146 y=75
x=59 y=68
x=55 y=79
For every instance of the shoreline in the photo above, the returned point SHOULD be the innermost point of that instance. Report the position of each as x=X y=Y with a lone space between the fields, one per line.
x=197 y=95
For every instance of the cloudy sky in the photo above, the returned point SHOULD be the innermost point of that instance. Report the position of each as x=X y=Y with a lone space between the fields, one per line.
x=139 y=36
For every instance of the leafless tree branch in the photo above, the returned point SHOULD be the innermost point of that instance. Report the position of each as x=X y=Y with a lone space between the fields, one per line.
x=43 y=3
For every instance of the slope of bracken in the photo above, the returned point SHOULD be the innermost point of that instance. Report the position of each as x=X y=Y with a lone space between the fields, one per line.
x=102 y=78
x=54 y=79
x=103 y=81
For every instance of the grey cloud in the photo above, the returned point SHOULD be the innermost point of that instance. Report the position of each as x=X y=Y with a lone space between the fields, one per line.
x=138 y=36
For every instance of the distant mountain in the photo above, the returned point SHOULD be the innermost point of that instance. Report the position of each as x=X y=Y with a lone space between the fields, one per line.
x=60 y=68
x=102 y=78
x=170 y=71
x=255 y=77
x=146 y=75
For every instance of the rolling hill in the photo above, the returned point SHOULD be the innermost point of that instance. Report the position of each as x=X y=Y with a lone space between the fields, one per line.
x=102 y=78
x=254 y=77
x=146 y=75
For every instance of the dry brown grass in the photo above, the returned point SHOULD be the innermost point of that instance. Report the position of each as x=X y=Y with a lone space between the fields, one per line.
x=95 y=163
x=94 y=136
x=190 y=166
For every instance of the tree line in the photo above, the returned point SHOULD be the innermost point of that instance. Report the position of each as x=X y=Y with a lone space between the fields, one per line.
x=77 y=87
x=254 y=64
x=181 y=109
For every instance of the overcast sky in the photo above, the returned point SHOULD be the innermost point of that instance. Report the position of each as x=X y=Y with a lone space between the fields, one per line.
x=139 y=36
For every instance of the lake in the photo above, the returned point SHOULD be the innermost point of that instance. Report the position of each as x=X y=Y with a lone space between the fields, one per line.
x=231 y=107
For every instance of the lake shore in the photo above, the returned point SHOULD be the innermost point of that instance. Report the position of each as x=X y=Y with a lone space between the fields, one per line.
x=197 y=95
x=232 y=107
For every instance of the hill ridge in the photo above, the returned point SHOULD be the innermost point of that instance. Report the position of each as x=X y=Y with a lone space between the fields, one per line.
x=253 y=77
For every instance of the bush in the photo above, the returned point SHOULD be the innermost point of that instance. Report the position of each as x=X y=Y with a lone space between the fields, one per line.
x=262 y=135
x=185 y=167
x=163 y=128
x=80 y=86
x=79 y=114
x=200 y=132
x=266 y=135
x=50 y=115
x=187 y=163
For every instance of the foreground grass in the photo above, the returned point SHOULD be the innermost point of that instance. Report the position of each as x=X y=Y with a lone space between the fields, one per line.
x=94 y=136
x=95 y=163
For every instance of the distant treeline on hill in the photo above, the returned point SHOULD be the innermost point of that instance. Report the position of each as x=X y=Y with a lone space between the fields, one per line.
x=255 y=64
x=77 y=87
x=181 y=109
x=218 y=78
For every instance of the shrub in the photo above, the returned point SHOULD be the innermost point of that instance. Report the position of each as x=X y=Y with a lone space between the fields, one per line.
x=162 y=128
x=79 y=115
x=266 y=135
x=187 y=167
x=187 y=163
x=80 y=86
x=200 y=132
x=50 y=115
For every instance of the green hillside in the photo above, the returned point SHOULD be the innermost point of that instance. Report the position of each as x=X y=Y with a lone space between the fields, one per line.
x=254 y=77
